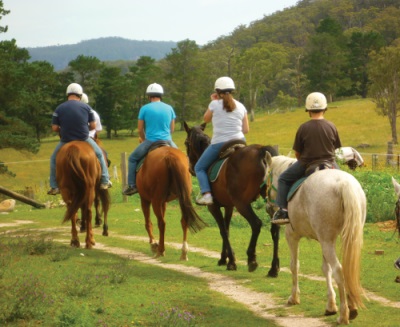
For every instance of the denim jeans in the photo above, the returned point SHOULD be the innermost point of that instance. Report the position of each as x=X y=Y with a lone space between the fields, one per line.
x=286 y=180
x=99 y=155
x=136 y=156
x=209 y=155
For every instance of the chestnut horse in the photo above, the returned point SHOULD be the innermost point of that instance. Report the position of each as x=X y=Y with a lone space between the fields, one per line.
x=329 y=204
x=78 y=175
x=237 y=186
x=163 y=177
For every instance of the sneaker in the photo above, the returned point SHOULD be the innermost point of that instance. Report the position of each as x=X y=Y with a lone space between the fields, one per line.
x=53 y=191
x=106 y=186
x=205 y=199
x=280 y=217
x=130 y=190
x=397 y=264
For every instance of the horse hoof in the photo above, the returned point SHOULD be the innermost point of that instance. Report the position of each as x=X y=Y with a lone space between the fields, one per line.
x=330 y=313
x=272 y=273
x=222 y=262
x=353 y=314
x=252 y=266
x=231 y=267
x=75 y=243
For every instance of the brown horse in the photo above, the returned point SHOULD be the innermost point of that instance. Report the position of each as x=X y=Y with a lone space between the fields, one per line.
x=238 y=185
x=78 y=176
x=163 y=177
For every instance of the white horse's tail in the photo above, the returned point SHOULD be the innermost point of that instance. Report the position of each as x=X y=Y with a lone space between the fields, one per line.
x=354 y=208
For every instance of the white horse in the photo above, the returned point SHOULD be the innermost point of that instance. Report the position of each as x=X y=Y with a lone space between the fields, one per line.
x=330 y=203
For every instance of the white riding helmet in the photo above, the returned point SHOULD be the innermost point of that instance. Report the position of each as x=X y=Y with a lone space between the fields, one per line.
x=316 y=102
x=224 y=84
x=85 y=98
x=74 y=88
x=155 y=90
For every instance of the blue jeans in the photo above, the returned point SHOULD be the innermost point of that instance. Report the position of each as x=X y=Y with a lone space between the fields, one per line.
x=209 y=155
x=137 y=155
x=99 y=154
x=286 y=180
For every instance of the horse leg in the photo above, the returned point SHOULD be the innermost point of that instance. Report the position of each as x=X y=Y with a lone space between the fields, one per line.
x=89 y=231
x=97 y=218
x=148 y=225
x=185 y=247
x=74 y=232
x=275 y=231
x=159 y=210
x=329 y=253
x=331 y=307
x=223 y=224
x=293 y=243
x=255 y=223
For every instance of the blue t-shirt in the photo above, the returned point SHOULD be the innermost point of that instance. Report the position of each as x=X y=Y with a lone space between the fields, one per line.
x=73 y=118
x=157 y=117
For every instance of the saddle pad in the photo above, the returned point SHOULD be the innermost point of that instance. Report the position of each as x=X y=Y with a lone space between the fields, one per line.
x=215 y=168
x=295 y=187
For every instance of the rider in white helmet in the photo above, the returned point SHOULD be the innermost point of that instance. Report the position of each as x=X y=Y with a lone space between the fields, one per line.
x=230 y=122
x=156 y=122
x=317 y=139
x=72 y=120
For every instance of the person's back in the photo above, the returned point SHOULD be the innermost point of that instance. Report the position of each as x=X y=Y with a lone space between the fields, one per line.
x=156 y=122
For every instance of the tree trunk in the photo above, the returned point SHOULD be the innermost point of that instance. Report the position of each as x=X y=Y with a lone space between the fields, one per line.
x=21 y=198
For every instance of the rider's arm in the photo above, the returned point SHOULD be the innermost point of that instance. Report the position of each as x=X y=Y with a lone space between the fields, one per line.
x=92 y=125
x=297 y=154
x=172 y=126
x=208 y=116
x=245 y=124
x=142 y=134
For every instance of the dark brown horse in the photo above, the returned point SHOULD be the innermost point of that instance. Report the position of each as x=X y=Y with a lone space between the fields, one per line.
x=238 y=185
x=78 y=177
x=163 y=177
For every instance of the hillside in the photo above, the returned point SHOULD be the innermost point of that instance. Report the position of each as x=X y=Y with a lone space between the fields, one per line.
x=105 y=49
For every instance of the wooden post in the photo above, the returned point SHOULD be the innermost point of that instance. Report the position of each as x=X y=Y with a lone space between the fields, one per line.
x=124 y=175
x=21 y=198
x=389 y=156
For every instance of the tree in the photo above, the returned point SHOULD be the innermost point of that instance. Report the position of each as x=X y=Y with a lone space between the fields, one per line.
x=182 y=70
x=384 y=72
x=258 y=67
x=87 y=70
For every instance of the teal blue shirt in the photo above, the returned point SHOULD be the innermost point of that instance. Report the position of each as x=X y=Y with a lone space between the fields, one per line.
x=157 y=117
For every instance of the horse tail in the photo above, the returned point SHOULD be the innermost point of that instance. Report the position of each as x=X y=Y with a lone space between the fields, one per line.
x=177 y=174
x=78 y=177
x=354 y=208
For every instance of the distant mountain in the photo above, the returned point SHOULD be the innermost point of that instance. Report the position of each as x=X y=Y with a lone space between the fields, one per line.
x=105 y=49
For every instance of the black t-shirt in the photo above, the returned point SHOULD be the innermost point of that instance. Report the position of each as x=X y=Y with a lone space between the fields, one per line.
x=73 y=118
x=315 y=140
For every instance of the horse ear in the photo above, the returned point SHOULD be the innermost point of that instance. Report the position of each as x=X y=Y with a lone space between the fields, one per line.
x=185 y=125
x=268 y=158
x=203 y=126
x=396 y=186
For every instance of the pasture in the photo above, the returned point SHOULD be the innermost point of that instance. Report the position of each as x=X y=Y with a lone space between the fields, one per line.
x=118 y=283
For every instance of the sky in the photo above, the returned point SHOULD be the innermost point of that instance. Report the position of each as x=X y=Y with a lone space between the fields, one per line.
x=37 y=23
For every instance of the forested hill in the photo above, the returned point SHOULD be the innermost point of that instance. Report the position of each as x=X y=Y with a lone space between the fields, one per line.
x=105 y=49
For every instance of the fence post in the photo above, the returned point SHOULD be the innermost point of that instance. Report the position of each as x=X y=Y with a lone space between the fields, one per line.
x=124 y=175
x=389 y=156
x=374 y=161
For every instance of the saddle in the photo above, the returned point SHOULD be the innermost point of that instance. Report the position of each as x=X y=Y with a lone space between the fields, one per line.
x=311 y=168
x=227 y=149
x=154 y=145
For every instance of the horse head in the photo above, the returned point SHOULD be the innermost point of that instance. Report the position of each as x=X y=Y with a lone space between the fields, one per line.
x=196 y=142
